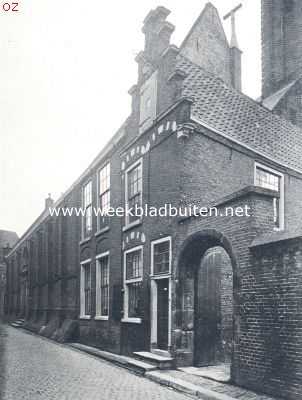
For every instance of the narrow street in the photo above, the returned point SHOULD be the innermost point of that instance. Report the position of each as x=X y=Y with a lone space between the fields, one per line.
x=33 y=368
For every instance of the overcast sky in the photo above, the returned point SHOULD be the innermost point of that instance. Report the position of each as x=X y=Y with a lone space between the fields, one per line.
x=66 y=67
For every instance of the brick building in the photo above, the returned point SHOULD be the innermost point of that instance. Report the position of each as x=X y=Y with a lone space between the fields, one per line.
x=205 y=290
x=7 y=240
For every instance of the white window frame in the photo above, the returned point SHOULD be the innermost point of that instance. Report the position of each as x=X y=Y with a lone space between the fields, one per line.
x=98 y=297
x=153 y=244
x=99 y=229
x=126 y=318
x=281 y=199
x=84 y=209
x=154 y=279
x=136 y=222
x=82 y=288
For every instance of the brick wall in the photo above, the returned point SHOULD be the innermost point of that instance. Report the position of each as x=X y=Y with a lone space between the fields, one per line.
x=272 y=325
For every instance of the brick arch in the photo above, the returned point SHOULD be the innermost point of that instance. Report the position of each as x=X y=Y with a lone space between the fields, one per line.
x=190 y=256
x=206 y=239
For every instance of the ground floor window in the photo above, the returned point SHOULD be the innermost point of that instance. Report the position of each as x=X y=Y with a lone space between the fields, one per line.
x=86 y=289
x=161 y=256
x=102 y=286
x=133 y=275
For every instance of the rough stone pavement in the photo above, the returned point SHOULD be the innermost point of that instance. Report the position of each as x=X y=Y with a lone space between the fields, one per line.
x=34 y=368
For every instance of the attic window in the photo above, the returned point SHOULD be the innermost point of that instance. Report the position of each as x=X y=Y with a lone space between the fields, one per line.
x=148 y=97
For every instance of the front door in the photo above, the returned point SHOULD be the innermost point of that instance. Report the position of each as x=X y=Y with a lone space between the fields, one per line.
x=207 y=315
x=162 y=313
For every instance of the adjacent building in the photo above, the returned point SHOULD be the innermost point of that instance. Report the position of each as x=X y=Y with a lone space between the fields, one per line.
x=219 y=288
x=7 y=240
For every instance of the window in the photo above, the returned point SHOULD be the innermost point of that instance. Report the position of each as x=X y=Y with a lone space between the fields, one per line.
x=133 y=275
x=87 y=206
x=161 y=256
x=269 y=179
x=148 y=95
x=104 y=193
x=85 y=289
x=133 y=190
x=102 y=286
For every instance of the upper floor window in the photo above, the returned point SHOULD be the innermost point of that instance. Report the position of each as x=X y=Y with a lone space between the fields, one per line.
x=104 y=193
x=87 y=208
x=161 y=256
x=133 y=276
x=269 y=179
x=133 y=189
x=102 y=286
x=148 y=94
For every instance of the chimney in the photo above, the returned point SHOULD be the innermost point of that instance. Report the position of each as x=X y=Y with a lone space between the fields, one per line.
x=235 y=60
x=49 y=202
x=235 y=52
x=157 y=32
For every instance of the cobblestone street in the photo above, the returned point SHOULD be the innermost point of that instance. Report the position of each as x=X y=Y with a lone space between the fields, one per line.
x=33 y=368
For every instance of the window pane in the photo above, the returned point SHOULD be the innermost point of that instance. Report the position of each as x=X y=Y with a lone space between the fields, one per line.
x=268 y=180
x=134 y=300
x=134 y=181
x=105 y=200
x=104 y=179
x=87 y=194
x=161 y=257
x=134 y=265
x=87 y=289
x=88 y=221
x=104 y=285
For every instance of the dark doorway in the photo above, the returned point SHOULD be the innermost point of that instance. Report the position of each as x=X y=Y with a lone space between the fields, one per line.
x=162 y=313
x=213 y=309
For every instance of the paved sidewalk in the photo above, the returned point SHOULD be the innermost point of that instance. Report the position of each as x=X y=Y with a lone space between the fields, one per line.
x=203 y=387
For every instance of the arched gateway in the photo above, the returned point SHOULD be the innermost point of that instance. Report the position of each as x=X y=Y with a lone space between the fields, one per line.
x=207 y=280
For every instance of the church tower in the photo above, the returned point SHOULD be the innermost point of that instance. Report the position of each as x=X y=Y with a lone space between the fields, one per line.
x=282 y=58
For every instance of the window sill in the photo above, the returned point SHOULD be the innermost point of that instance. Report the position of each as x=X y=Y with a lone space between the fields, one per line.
x=132 y=320
x=132 y=225
x=101 y=231
x=85 y=317
x=161 y=276
x=101 y=318
x=83 y=241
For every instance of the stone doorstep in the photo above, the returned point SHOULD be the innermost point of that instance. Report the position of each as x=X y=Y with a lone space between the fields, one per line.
x=159 y=361
x=137 y=366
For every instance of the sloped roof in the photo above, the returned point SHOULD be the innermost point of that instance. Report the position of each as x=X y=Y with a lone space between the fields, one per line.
x=232 y=113
x=273 y=100
x=7 y=237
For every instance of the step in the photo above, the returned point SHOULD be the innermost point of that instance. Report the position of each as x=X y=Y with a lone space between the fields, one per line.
x=159 y=361
x=16 y=325
x=137 y=366
x=159 y=352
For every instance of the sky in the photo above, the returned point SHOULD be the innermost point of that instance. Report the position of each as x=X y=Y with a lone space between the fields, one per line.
x=66 y=68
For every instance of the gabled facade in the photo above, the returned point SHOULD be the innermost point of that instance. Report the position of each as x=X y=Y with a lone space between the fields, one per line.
x=205 y=290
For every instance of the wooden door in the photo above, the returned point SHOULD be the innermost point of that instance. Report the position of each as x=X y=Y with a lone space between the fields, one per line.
x=162 y=313
x=207 y=341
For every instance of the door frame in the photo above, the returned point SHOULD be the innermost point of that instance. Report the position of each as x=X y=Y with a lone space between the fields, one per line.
x=154 y=295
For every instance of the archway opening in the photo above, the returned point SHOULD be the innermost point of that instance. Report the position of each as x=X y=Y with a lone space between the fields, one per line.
x=206 y=303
